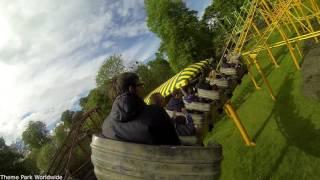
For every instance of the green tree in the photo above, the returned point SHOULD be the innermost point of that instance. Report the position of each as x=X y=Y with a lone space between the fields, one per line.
x=45 y=155
x=220 y=20
x=226 y=8
x=2 y=144
x=217 y=12
x=83 y=101
x=184 y=38
x=60 y=134
x=154 y=73
x=210 y=13
x=30 y=161
x=66 y=117
x=97 y=98
x=161 y=70
x=111 y=67
x=12 y=162
x=146 y=76
x=35 y=135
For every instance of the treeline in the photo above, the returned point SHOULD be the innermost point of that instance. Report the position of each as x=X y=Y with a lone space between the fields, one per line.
x=185 y=39
x=41 y=145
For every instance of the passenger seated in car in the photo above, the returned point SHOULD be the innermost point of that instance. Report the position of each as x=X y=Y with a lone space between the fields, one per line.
x=157 y=99
x=189 y=95
x=132 y=120
x=182 y=120
x=184 y=125
x=175 y=103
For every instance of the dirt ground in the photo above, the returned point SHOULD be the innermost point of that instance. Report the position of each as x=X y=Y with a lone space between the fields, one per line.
x=311 y=73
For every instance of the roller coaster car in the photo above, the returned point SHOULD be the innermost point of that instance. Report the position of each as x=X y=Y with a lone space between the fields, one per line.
x=236 y=71
x=229 y=71
x=115 y=160
x=209 y=94
x=234 y=75
x=197 y=106
x=221 y=83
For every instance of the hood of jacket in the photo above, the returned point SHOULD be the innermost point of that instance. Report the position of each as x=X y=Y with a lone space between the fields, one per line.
x=126 y=107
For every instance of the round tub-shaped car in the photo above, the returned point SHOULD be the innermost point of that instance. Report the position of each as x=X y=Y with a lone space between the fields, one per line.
x=116 y=160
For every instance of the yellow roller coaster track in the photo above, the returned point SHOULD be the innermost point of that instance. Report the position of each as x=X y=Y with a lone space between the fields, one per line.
x=293 y=20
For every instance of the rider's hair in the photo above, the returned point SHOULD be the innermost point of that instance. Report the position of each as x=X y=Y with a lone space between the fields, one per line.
x=120 y=84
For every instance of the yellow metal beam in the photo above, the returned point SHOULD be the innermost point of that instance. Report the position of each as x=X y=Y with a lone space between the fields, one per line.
x=273 y=60
x=275 y=21
x=230 y=111
x=246 y=26
x=265 y=80
x=282 y=43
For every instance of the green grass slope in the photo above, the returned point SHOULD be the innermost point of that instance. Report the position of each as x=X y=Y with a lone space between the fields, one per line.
x=287 y=131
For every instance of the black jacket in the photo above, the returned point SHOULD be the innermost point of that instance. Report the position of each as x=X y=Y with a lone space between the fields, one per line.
x=132 y=120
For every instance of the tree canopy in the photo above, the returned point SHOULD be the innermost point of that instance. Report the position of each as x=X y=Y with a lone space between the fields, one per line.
x=111 y=67
x=45 y=155
x=12 y=162
x=60 y=133
x=225 y=8
x=97 y=98
x=184 y=38
x=2 y=143
x=66 y=117
x=154 y=73
x=35 y=135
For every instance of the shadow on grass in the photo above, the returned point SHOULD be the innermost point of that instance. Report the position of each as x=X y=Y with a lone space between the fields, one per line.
x=276 y=164
x=280 y=55
x=249 y=88
x=298 y=130
x=263 y=126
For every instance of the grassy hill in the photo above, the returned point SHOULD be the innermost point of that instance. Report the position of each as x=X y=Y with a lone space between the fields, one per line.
x=287 y=131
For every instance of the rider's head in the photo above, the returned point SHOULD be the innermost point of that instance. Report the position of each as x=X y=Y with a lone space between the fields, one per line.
x=177 y=94
x=157 y=99
x=126 y=82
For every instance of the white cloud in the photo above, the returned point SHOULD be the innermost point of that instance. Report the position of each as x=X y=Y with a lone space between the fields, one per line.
x=131 y=29
x=143 y=49
x=50 y=52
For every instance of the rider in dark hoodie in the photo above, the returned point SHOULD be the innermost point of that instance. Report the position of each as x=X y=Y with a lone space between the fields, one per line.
x=132 y=120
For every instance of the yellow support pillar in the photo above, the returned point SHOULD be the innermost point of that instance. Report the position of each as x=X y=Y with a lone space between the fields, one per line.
x=284 y=37
x=307 y=20
x=230 y=111
x=298 y=34
x=254 y=59
x=273 y=60
x=298 y=49
x=285 y=22
x=246 y=26
x=253 y=80
x=293 y=24
x=296 y=13
x=251 y=76
x=266 y=6
x=225 y=30
x=265 y=18
x=240 y=17
x=315 y=7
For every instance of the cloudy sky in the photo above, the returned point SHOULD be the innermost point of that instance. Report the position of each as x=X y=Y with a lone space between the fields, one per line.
x=50 y=51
